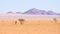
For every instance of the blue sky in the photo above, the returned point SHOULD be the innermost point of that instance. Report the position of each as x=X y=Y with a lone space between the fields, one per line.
x=24 y=5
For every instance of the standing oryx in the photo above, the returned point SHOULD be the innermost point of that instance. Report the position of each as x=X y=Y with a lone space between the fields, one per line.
x=55 y=20
x=21 y=21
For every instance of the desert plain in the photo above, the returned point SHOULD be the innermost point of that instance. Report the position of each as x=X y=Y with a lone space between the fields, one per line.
x=31 y=24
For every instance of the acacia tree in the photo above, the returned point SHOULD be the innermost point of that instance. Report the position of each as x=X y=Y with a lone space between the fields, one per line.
x=21 y=21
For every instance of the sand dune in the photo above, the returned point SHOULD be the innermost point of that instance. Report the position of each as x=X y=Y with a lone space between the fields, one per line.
x=30 y=25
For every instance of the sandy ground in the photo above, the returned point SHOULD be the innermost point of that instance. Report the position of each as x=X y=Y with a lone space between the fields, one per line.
x=30 y=26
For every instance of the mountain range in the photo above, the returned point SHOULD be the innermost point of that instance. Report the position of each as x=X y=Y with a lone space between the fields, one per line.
x=37 y=11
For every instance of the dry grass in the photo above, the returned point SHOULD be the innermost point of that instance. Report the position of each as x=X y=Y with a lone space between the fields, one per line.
x=29 y=26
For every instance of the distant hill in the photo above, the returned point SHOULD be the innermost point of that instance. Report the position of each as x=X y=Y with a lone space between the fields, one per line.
x=51 y=13
x=41 y=12
x=36 y=11
x=18 y=13
x=58 y=13
x=10 y=12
